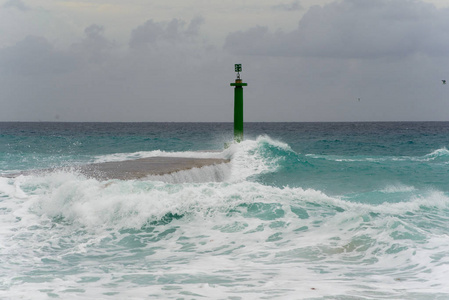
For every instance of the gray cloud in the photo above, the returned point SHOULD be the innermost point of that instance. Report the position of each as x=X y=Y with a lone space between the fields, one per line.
x=257 y=41
x=354 y=29
x=97 y=80
x=95 y=46
x=194 y=26
x=34 y=56
x=293 y=6
x=152 y=32
x=18 y=4
x=168 y=73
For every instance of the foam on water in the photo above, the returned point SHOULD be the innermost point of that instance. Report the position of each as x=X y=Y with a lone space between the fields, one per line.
x=157 y=153
x=300 y=239
x=247 y=235
x=214 y=173
x=249 y=157
x=398 y=188
x=64 y=235
x=439 y=153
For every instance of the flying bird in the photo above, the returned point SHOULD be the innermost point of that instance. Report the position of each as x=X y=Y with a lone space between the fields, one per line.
x=444 y=81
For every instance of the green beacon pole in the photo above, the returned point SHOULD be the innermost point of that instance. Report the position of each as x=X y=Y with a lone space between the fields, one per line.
x=238 y=105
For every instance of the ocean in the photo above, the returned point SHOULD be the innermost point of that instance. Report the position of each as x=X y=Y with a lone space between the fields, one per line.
x=302 y=211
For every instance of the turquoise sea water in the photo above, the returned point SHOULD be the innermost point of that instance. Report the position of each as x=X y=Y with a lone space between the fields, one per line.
x=303 y=211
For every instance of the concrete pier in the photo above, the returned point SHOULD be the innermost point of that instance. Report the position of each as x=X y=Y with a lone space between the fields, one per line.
x=140 y=168
x=135 y=169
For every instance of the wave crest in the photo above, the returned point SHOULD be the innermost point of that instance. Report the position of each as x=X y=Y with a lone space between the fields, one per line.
x=439 y=154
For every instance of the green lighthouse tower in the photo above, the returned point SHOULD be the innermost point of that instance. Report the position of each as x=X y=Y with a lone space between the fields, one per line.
x=238 y=105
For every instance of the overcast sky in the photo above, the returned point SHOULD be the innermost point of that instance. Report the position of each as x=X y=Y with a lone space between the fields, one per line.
x=173 y=60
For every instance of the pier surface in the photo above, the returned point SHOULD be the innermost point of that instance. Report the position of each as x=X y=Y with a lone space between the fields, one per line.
x=135 y=169
x=143 y=167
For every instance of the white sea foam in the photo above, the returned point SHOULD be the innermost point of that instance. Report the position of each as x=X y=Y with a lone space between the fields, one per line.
x=442 y=152
x=245 y=161
x=398 y=188
x=213 y=173
x=247 y=158
x=159 y=153
x=64 y=235
x=239 y=238
x=351 y=159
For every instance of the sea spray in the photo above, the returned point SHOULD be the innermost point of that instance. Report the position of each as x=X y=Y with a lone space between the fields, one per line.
x=258 y=226
x=214 y=173
x=304 y=211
